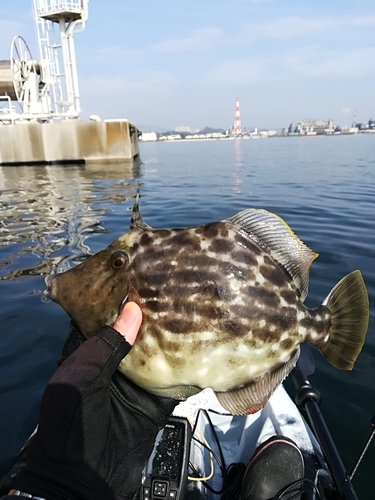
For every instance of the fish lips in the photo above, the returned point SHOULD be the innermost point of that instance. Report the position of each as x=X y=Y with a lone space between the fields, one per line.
x=123 y=303
x=50 y=292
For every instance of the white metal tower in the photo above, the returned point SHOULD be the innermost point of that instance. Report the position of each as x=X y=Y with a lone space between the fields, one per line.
x=57 y=53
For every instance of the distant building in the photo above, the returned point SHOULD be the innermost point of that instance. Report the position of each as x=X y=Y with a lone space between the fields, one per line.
x=149 y=136
x=183 y=128
x=349 y=130
x=170 y=137
x=267 y=133
x=309 y=126
x=361 y=126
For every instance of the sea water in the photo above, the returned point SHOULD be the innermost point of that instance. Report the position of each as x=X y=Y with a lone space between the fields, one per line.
x=52 y=218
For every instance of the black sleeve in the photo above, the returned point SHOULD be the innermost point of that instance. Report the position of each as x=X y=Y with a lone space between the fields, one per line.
x=96 y=428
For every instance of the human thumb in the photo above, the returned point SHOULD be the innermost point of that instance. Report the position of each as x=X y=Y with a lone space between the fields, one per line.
x=129 y=322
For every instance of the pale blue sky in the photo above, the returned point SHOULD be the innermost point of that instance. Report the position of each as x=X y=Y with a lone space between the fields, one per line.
x=164 y=63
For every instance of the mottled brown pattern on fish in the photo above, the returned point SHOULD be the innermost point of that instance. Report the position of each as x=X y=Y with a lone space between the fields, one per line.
x=157 y=279
x=286 y=323
x=223 y=231
x=147 y=293
x=262 y=297
x=273 y=275
x=134 y=247
x=286 y=344
x=192 y=246
x=154 y=255
x=189 y=276
x=244 y=257
x=220 y=245
x=156 y=306
x=212 y=300
x=234 y=327
x=163 y=233
x=199 y=261
x=146 y=239
x=289 y=312
x=211 y=230
x=318 y=324
x=178 y=325
x=209 y=311
x=264 y=334
x=288 y=295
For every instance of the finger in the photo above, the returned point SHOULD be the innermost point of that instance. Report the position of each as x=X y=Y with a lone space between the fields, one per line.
x=129 y=322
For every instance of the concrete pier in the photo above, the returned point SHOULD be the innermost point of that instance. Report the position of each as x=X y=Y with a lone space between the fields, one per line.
x=68 y=141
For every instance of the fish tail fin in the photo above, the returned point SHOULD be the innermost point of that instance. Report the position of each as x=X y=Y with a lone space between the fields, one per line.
x=349 y=307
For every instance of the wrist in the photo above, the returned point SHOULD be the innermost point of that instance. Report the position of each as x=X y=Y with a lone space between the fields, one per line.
x=44 y=479
x=19 y=493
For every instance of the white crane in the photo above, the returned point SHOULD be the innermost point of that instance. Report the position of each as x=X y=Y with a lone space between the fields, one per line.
x=46 y=89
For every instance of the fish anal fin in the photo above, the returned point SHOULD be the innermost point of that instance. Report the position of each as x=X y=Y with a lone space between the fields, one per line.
x=251 y=398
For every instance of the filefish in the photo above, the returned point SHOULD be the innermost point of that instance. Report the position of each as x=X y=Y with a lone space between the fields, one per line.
x=223 y=306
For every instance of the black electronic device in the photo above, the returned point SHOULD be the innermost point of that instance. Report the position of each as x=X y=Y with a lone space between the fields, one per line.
x=165 y=475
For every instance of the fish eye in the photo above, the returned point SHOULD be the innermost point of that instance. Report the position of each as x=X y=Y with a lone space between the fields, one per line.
x=119 y=260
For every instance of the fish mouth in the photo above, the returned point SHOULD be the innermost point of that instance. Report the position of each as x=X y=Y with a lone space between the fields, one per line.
x=123 y=302
x=49 y=282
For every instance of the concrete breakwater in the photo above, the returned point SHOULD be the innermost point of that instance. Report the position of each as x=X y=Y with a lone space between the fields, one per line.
x=68 y=141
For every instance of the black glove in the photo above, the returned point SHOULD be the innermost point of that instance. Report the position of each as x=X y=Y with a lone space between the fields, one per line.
x=96 y=429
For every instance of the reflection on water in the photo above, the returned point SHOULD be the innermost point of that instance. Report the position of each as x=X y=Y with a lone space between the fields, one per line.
x=49 y=211
x=237 y=167
x=51 y=218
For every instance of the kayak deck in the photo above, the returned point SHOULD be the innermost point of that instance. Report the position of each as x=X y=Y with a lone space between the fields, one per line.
x=239 y=437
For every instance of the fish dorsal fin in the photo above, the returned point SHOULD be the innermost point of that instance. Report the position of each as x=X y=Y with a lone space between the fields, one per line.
x=252 y=397
x=271 y=233
x=136 y=221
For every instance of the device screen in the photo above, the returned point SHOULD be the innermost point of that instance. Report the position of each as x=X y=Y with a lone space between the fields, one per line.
x=166 y=456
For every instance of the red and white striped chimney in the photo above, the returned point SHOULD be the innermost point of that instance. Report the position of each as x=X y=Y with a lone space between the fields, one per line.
x=237 y=119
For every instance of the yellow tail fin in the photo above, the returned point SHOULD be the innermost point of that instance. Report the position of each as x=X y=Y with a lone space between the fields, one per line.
x=349 y=306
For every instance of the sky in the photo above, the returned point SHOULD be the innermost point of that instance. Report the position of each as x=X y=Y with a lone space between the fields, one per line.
x=167 y=63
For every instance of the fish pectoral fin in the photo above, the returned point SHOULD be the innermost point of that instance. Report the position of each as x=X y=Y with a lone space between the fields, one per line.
x=274 y=235
x=251 y=398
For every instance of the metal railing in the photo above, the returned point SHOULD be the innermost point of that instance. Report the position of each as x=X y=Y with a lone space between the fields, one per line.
x=50 y=6
x=7 y=114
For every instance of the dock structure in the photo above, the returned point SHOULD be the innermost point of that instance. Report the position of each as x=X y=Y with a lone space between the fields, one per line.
x=70 y=141
x=40 y=100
